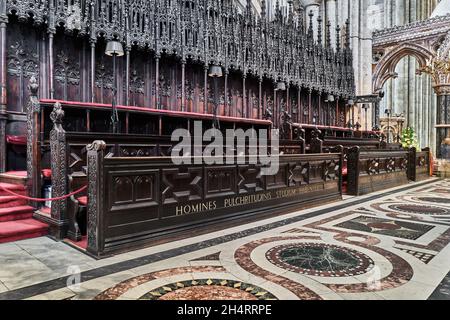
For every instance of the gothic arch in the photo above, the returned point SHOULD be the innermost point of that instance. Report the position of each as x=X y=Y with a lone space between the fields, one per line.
x=385 y=68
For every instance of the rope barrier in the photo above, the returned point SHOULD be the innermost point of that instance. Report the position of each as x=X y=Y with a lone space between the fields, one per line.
x=42 y=199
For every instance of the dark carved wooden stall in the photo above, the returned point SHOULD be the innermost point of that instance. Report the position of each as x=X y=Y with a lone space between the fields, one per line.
x=374 y=170
x=57 y=89
x=169 y=45
x=133 y=200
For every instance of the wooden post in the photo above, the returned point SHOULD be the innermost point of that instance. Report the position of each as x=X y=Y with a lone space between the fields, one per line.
x=59 y=221
x=33 y=145
x=92 y=91
x=3 y=91
x=310 y=115
x=353 y=171
x=412 y=160
x=183 y=85
x=157 y=98
x=340 y=149
x=51 y=64
x=205 y=93
x=95 y=158
x=227 y=107
x=316 y=144
x=127 y=75
x=260 y=104
x=244 y=98
x=336 y=121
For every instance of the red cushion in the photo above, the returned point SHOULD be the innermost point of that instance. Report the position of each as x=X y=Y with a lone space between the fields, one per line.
x=22 y=174
x=82 y=200
x=47 y=173
x=17 y=140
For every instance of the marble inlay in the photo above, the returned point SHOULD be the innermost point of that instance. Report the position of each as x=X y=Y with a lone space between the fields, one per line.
x=419 y=209
x=317 y=259
x=434 y=199
x=424 y=257
x=209 y=257
x=208 y=289
x=393 y=228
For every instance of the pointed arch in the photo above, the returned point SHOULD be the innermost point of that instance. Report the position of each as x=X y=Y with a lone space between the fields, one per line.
x=385 y=68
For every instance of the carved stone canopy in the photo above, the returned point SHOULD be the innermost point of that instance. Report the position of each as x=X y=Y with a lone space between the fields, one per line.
x=428 y=41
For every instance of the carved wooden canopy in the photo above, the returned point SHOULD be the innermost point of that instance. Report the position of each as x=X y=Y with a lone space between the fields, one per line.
x=205 y=31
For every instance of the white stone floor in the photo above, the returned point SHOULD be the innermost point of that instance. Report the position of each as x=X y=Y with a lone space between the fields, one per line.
x=384 y=248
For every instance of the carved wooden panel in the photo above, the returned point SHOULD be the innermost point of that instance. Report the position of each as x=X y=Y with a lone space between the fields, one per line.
x=23 y=62
x=67 y=68
x=220 y=181
x=181 y=185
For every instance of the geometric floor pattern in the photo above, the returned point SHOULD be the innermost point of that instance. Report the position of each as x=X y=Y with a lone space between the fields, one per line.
x=389 y=245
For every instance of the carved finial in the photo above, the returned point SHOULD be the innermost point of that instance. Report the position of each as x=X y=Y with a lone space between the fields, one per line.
x=319 y=30
x=263 y=9
x=291 y=12
x=311 y=28
x=57 y=114
x=33 y=86
x=328 y=42
x=97 y=145
x=338 y=38
x=278 y=11
x=347 y=33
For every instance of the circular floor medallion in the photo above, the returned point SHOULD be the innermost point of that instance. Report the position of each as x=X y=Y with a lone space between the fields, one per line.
x=322 y=260
x=208 y=289
x=434 y=200
x=419 y=209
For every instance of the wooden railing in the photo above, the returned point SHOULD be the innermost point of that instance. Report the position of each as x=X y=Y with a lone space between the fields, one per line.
x=420 y=164
x=132 y=201
x=376 y=170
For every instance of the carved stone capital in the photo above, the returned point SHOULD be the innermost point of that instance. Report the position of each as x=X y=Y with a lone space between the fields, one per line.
x=442 y=89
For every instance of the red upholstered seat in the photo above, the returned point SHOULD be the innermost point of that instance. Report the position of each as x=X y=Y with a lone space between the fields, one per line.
x=82 y=200
x=21 y=174
x=17 y=140
x=344 y=169
x=47 y=173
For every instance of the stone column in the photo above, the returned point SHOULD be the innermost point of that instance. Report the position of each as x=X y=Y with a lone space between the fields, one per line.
x=3 y=90
x=442 y=116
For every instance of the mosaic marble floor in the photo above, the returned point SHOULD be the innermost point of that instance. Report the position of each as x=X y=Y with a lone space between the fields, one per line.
x=391 y=245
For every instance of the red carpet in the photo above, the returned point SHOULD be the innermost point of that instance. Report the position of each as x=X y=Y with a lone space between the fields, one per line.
x=11 y=201
x=16 y=217
x=16 y=213
x=22 y=229
x=21 y=174
x=80 y=244
x=17 y=188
